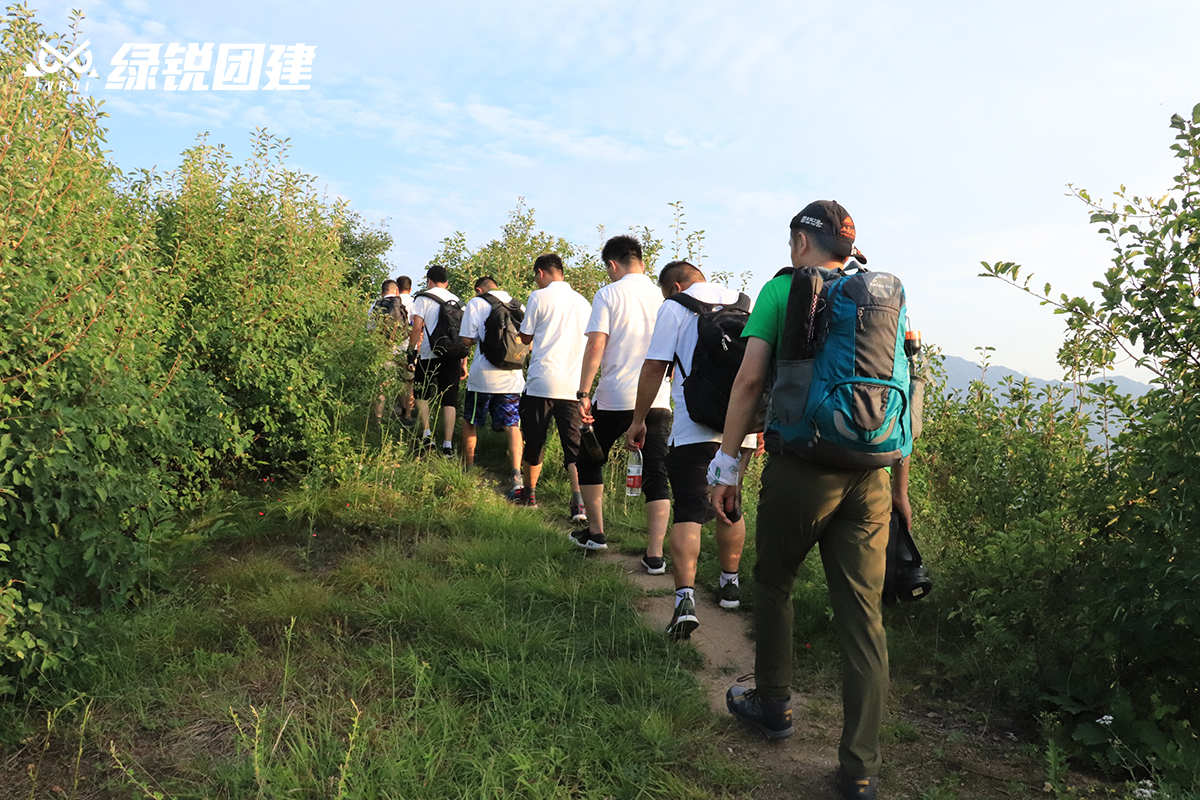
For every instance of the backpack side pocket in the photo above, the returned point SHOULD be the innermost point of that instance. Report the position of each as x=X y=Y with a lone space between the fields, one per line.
x=789 y=396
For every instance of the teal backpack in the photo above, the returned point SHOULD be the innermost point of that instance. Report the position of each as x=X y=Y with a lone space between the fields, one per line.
x=843 y=393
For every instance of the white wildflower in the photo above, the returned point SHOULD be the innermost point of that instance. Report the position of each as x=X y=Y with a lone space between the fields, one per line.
x=1106 y=720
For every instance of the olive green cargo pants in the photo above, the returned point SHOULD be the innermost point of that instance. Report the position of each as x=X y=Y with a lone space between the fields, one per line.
x=845 y=513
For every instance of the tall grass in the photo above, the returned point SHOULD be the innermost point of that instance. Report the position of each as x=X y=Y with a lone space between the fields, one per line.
x=402 y=633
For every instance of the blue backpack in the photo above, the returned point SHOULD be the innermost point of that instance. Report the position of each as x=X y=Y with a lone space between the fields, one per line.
x=842 y=392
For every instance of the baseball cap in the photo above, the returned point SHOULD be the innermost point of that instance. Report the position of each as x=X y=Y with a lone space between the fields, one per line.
x=832 y=219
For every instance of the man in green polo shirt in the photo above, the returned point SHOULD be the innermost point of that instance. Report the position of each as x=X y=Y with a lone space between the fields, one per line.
x=801 y=504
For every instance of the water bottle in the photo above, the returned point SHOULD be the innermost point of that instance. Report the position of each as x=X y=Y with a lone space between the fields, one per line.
x=633 y=474
x=591 y=445
x=912 y=343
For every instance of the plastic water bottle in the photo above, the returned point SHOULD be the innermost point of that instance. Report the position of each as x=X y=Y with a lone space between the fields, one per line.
x=633 y=474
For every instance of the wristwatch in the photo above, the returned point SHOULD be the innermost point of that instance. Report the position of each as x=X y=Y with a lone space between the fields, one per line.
x=580 y=395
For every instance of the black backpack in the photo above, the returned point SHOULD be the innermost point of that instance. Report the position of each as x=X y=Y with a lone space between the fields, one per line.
x=716 y=360
x=502 y=345
x=905 y=579
x=392 y=313
x=444 y=340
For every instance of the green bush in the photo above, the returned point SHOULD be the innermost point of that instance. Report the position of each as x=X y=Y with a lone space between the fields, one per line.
x=159 y=336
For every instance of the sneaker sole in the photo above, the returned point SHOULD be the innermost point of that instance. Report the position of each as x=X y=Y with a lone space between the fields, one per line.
x=682 y=628
x=653 y=570
x=729 y=604
x=763 y=729
x=588 y=544
x=579 y=519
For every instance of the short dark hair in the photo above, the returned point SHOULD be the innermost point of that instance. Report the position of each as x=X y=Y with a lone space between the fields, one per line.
x=437 y=274
x=483 y=282
x=388 y=285
x=621 y=249
x=825 y=242
x=548 y=262
x=678 y=272
x=404 y=283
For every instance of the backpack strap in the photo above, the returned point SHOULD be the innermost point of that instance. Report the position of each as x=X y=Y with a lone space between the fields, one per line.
x=691 y=303
x=442 y=303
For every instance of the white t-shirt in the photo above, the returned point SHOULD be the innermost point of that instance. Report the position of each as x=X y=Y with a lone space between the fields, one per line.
x=407 y=301
x=484 y=376
x=625 y=310
x=555 y=317
x=675 y=335
x=427 y=309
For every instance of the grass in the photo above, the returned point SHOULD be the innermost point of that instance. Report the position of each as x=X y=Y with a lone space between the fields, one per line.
x=403 y=634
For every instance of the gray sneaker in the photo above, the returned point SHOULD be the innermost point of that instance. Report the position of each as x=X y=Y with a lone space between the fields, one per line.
x=684 y=621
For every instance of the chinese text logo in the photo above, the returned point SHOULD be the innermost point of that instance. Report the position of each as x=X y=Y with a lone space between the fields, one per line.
x=236 y=67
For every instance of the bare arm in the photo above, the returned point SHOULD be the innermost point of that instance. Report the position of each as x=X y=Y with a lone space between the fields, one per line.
x=649 y=381
x=526 y=338
x=748 y=387
x=593 y=352
x=743 y=400
x=418 y=330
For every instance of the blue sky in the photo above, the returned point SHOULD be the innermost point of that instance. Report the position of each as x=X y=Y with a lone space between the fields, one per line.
x=949 y=130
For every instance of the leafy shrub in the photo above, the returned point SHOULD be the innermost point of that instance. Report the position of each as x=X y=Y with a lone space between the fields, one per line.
x=159 y=336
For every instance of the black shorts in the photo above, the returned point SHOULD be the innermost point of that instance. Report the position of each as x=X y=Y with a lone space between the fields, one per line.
x=536 y=413
x=438 y=379
x=687 y=467
x=610 y=426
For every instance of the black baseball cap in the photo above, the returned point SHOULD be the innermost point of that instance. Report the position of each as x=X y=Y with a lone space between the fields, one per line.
x=832 y=219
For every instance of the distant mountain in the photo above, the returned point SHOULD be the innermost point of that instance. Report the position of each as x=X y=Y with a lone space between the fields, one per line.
x=960 y=372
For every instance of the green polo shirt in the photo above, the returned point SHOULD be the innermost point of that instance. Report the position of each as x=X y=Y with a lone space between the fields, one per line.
x=770 y=311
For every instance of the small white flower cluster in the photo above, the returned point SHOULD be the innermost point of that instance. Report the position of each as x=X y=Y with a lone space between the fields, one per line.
x=1145 y=790
x=1106 y=720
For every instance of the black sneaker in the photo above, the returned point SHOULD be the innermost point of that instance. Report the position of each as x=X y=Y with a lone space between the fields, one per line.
x=730 y=595
x=447 y=452
x=578 y=513
x=856 y=788
x=588 y=540
x=684 y=620
x=655 y=565
x=772 y=717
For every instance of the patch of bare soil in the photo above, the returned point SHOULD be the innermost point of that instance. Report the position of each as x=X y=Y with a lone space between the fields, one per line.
x=936 y=755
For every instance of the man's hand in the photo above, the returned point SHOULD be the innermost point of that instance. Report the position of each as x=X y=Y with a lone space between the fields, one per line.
x=635 y=437
x=463 y=370
x=585 y=410
x=724 y=499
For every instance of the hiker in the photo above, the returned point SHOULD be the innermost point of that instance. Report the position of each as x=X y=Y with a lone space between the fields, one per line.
x=491 y=389
x=805 y=502
x=440 y=365
x=555 y=318
x=407 y=404
x=618 y=333
x=692 y=444
x=388 y=315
